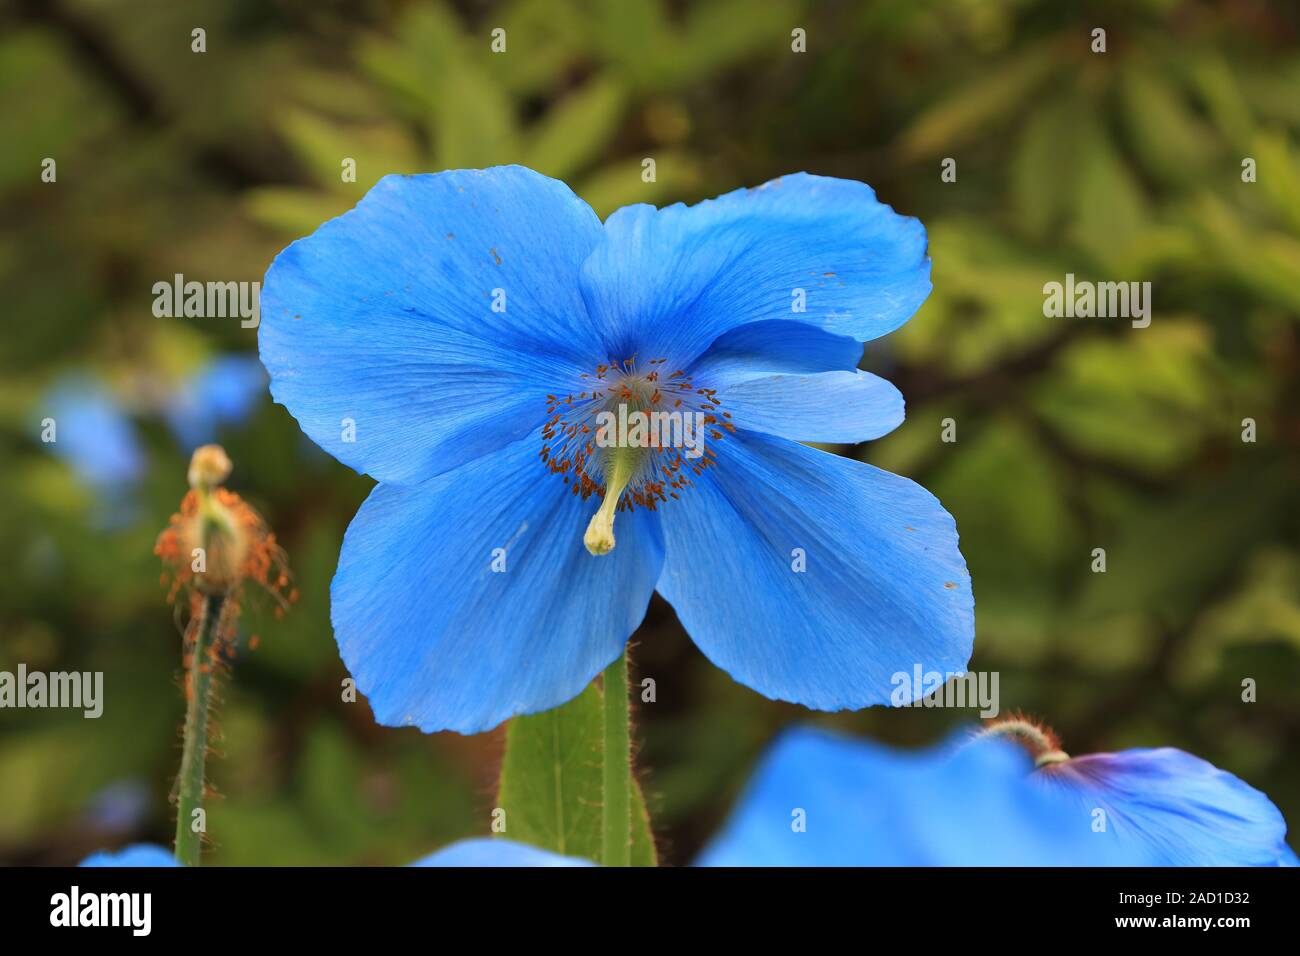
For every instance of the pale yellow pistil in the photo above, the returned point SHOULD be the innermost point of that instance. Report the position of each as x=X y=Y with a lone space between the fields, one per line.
x=620 y=466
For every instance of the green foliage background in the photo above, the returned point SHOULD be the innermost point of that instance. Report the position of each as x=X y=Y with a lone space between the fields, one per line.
x=1073 y=434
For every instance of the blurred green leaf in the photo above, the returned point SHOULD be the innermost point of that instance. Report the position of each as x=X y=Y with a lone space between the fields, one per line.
x=1046 y=160
x=987 y=300
x=979 y=106
x=1213 y=79
x=1265 y=607
x=620 y=183
x=292 y=211
x=1265 y=262
x=323 y=145
x=1109 y=208
x=1155 y=564
x=577 y=129
x=1170 y=141
x=1145 y=396
x=1278 y=173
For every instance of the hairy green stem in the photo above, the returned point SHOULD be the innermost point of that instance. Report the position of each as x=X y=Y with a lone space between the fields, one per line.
x=616 y=838
x=194 y=754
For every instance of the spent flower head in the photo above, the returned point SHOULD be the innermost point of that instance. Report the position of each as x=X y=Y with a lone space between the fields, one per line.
x=217 y=541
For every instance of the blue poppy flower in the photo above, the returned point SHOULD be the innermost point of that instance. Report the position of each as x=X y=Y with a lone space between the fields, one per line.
x=457 y=336
x=138 y=854
x=981 y=803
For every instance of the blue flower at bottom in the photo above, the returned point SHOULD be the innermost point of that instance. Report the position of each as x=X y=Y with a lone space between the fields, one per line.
x=138 y=854
x=478 y=852
x=822 y=799
x=458 y=337
x=486 y=851
x=981 y=803
x=1187 y=812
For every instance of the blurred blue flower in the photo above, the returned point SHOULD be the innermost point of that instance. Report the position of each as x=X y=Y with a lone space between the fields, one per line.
x=1185 y=811
x=223 y=392
x=138 y=854
x=97 y=437
x=492 y=852
x=822 y=799
x=981 y=803
x=457 y=336
x=118 y=807
x=94 y=435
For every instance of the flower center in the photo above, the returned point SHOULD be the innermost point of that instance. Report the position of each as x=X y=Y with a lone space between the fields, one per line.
x=637 y=437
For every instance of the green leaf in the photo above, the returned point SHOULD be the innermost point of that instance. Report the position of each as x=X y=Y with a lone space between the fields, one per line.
x=643 y=842
x=323 y=144
x=1280 y=182
x=1173 y=146
x=550 y=778
x=1110 y=211
x=729 y=31
x=987 y=302
x=634 y=37
x=1155 y=565
x=545 y=39
x=1265 y=607
x=1214 y=80
x=551 y=782
x=293 y=210
x=1149 y=400
x=975 y=109
x=1264 y=261
x=577 y=129
x=447 y=83
x=472 y=122
x=1044 y=165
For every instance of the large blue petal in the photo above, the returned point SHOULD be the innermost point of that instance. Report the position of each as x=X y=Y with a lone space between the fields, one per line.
x=138 y=854
x=1182 y=809
x=489 y=852
x=668 y=282
x=827 y=407
x=774 y=347
x=439 y=640
x=384 y=317
x=884 y=588
x=863 y=804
